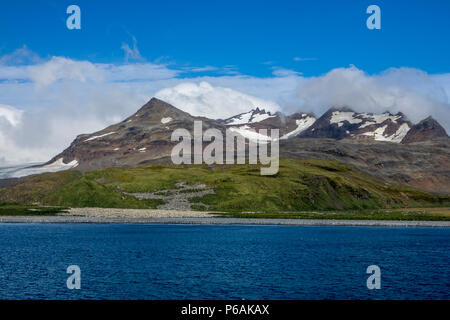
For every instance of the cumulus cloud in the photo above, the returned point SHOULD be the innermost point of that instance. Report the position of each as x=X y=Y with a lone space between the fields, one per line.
x=21 y=56
x=411 y=91
x=10 y=115
x=216 y=102
x=59 y=68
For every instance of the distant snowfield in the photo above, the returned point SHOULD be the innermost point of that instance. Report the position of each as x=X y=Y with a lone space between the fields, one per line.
x=302 y=125
x=33 y=168
x=249 y=117
x=339 y=116
x=397 y=137
x=251 y=134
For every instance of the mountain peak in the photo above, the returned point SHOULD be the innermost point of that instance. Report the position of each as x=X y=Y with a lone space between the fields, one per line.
x=156 y=108
x=252 y=116
x=156 y=104
x=427 y=129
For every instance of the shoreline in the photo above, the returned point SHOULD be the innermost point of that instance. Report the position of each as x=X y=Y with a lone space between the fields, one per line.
x=219 y=221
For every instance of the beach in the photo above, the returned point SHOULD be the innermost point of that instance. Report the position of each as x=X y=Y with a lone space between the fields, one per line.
x=148 y=216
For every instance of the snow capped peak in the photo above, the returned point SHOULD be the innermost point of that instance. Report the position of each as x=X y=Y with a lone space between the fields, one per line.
x=252 y=116
x=340 y=116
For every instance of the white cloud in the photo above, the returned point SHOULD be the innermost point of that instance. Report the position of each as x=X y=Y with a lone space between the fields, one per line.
x=216 y=102
x=411 y=91
x=282 y=72
x=21 y=56
x=59 y=68
x=11 y=115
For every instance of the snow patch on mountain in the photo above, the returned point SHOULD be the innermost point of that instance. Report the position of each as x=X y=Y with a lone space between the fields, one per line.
x=100 y=136
x=253 y=116
x=379 y=118
x=302 y=125
x=250 y=134
x=240 y=119
x=55 y=166
x=166 y=120
x=258 y=117
x=397 y=137
x=340 y=116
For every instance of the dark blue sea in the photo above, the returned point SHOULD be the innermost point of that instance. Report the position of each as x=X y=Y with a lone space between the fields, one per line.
x=122 y=261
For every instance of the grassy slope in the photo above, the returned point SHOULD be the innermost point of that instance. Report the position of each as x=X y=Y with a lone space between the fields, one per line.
x=300 y=185
x=13 y=209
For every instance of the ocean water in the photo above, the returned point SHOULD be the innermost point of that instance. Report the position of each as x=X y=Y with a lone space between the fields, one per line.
x=122 y=261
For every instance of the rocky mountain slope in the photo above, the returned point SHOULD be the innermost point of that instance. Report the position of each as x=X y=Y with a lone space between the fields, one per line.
x=368 y=141
x=424 y=165
x=426 y=130
x=144 y=136
x=340 y=123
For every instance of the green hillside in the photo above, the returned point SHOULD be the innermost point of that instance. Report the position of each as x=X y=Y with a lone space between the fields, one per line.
x=299 y=185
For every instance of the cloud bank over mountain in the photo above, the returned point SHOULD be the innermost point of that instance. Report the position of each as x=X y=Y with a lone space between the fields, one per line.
x=213 y=102
x=45 y=103
x=406 y=90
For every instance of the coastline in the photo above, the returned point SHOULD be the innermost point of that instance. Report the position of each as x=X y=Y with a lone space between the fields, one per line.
x=219 y=221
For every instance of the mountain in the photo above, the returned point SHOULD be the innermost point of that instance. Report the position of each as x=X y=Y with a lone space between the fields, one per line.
x=140 y=138
x=425 y=130
x=252 y=116
x=342 y=160
x=425 y=166
x=371 y=142
x=340 y=123
x=254 y=120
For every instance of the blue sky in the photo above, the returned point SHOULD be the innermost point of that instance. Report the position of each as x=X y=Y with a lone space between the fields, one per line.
x=251 y=36
x=212 y=58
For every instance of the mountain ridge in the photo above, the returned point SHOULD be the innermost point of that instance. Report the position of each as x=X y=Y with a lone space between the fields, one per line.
x=357 y=138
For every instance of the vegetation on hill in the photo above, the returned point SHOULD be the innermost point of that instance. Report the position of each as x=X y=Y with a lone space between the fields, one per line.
x=15 y=209
x=299 y=185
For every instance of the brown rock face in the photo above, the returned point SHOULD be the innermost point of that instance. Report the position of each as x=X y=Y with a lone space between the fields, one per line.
x=139 y=139
x=424 y=165
x=425 y=130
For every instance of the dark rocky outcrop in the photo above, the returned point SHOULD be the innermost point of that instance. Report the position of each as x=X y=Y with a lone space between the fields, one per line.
x=426 y=130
